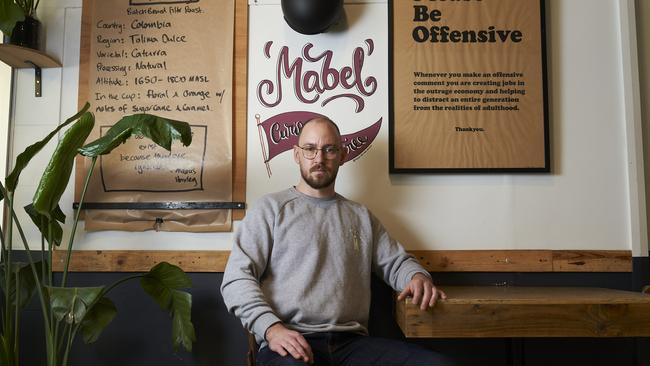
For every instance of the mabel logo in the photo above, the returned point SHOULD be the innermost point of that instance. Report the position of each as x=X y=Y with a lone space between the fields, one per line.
x=310 y=85
x=280 y=133
x=313 y=80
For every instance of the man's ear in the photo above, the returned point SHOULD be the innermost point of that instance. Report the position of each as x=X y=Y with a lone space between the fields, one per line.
x=344 y=154
x=296 y=157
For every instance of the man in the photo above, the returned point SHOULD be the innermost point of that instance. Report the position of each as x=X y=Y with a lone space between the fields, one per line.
x=299 y=272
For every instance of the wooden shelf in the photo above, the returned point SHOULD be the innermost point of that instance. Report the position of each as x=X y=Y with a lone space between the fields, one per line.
x=23 y=57
x=505 y=312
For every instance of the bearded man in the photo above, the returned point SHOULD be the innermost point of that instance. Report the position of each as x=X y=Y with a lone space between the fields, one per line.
x=299 y=273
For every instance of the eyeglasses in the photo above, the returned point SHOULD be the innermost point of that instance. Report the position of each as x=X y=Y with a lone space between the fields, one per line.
x=310 y=152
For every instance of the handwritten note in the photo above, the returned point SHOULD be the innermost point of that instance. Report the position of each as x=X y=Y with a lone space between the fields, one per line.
x=173 y=59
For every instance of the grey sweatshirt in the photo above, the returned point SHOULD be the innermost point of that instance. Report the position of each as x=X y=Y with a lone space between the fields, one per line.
x=307 y=262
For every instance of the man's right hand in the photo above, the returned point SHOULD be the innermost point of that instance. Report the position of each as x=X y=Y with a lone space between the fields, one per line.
x=285 y=341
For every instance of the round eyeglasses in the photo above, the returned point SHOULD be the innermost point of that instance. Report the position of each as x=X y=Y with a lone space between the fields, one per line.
x=329 y=152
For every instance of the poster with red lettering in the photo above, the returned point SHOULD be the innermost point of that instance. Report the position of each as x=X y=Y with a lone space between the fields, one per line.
x=340 y=74
x=468 y=87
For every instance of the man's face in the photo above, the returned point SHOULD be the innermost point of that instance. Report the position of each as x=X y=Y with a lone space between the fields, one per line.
x=319 y=172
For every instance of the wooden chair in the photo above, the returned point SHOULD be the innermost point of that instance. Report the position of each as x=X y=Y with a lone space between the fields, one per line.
x=251 y=355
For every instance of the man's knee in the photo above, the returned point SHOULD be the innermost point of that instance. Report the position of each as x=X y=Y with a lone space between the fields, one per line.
x=380 y=351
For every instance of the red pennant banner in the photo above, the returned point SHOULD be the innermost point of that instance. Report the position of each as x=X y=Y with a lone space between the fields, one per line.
x=280 y=133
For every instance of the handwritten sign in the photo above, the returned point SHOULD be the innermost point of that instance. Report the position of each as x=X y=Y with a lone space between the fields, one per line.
x=173 y=59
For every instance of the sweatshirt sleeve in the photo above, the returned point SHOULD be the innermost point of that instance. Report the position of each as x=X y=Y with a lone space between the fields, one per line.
x=390 y=261
x=240 y=288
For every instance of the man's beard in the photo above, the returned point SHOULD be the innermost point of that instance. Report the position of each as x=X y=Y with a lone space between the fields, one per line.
x=319 y=184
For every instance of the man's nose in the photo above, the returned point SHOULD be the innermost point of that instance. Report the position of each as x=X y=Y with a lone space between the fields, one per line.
x=319 y=156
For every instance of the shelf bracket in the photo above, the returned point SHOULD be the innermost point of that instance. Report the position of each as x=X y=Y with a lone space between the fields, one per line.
x=37 y=79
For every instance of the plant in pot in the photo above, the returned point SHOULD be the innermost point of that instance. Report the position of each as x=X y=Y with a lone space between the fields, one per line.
x=18 y=21
x=68 y=311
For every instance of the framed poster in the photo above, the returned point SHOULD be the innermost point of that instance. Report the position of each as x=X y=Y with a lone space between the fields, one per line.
x=468 y=86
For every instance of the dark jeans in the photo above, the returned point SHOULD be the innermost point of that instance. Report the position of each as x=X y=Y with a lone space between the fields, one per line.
x=348 y=349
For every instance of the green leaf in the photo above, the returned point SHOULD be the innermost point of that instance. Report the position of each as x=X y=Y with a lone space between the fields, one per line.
x=24 y=158
x=26 y=282
x=97 y=318
x=45 y=224
x=163 y=278
x=10 y=13
x=162 y=283
x=170 y=276
x=72 y=303
x=160 y=130
x=57 y=173
x=182 y=327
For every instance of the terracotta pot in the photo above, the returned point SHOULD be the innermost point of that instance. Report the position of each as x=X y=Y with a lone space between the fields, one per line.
x=27 y=33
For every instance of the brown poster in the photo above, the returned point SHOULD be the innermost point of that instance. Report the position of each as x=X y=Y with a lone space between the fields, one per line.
x=468 y=86
x=173 y=59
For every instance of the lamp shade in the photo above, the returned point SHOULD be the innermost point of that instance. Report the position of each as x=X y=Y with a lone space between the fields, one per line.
x=311 y=16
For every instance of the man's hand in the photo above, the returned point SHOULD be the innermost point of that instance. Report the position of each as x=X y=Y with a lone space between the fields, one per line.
x=423 y=291
x=285 y=341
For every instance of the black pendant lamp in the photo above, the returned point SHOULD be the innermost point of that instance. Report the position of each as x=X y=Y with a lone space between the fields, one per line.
x=311 y=16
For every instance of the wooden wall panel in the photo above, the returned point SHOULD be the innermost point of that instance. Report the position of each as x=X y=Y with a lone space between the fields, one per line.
x=433 y=261
x=587 y=260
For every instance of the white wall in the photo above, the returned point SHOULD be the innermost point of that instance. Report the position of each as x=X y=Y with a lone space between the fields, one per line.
x=5 y=103
x=583 y=204
x=643 y=31
x=5 y=106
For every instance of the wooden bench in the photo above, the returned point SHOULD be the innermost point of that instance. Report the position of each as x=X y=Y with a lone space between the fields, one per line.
x=507 y=312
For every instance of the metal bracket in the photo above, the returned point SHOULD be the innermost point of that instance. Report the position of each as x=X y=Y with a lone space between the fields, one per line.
x=37 y=79
x=160 y=205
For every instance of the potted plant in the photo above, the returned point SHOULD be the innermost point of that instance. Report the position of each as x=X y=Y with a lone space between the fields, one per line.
x=68 y=311
x=18 y=21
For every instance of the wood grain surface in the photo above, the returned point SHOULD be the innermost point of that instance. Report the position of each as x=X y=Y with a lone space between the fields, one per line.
x=475 y=312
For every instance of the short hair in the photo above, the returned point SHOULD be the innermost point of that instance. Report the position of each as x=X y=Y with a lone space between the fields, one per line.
x=323 y=118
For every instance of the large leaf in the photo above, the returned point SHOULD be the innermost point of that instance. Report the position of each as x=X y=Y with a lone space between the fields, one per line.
x=57 y=173
x=72 y=303
x=23 y=159
x=48 y=225
x=99 y=316
x=26 y=283
x=160 y=130
x=163 y=284
x=182 y=327
x=10 y=13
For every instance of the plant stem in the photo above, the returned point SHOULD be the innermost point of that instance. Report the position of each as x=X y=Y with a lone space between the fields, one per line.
x=117 y=283
x=43 y=256
x=48 y=259
x=68 y=344
x=71 y=335
x=76 y=221
x=17 y=324
x=8 y=271
x=39 y=286
x=66 y=327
